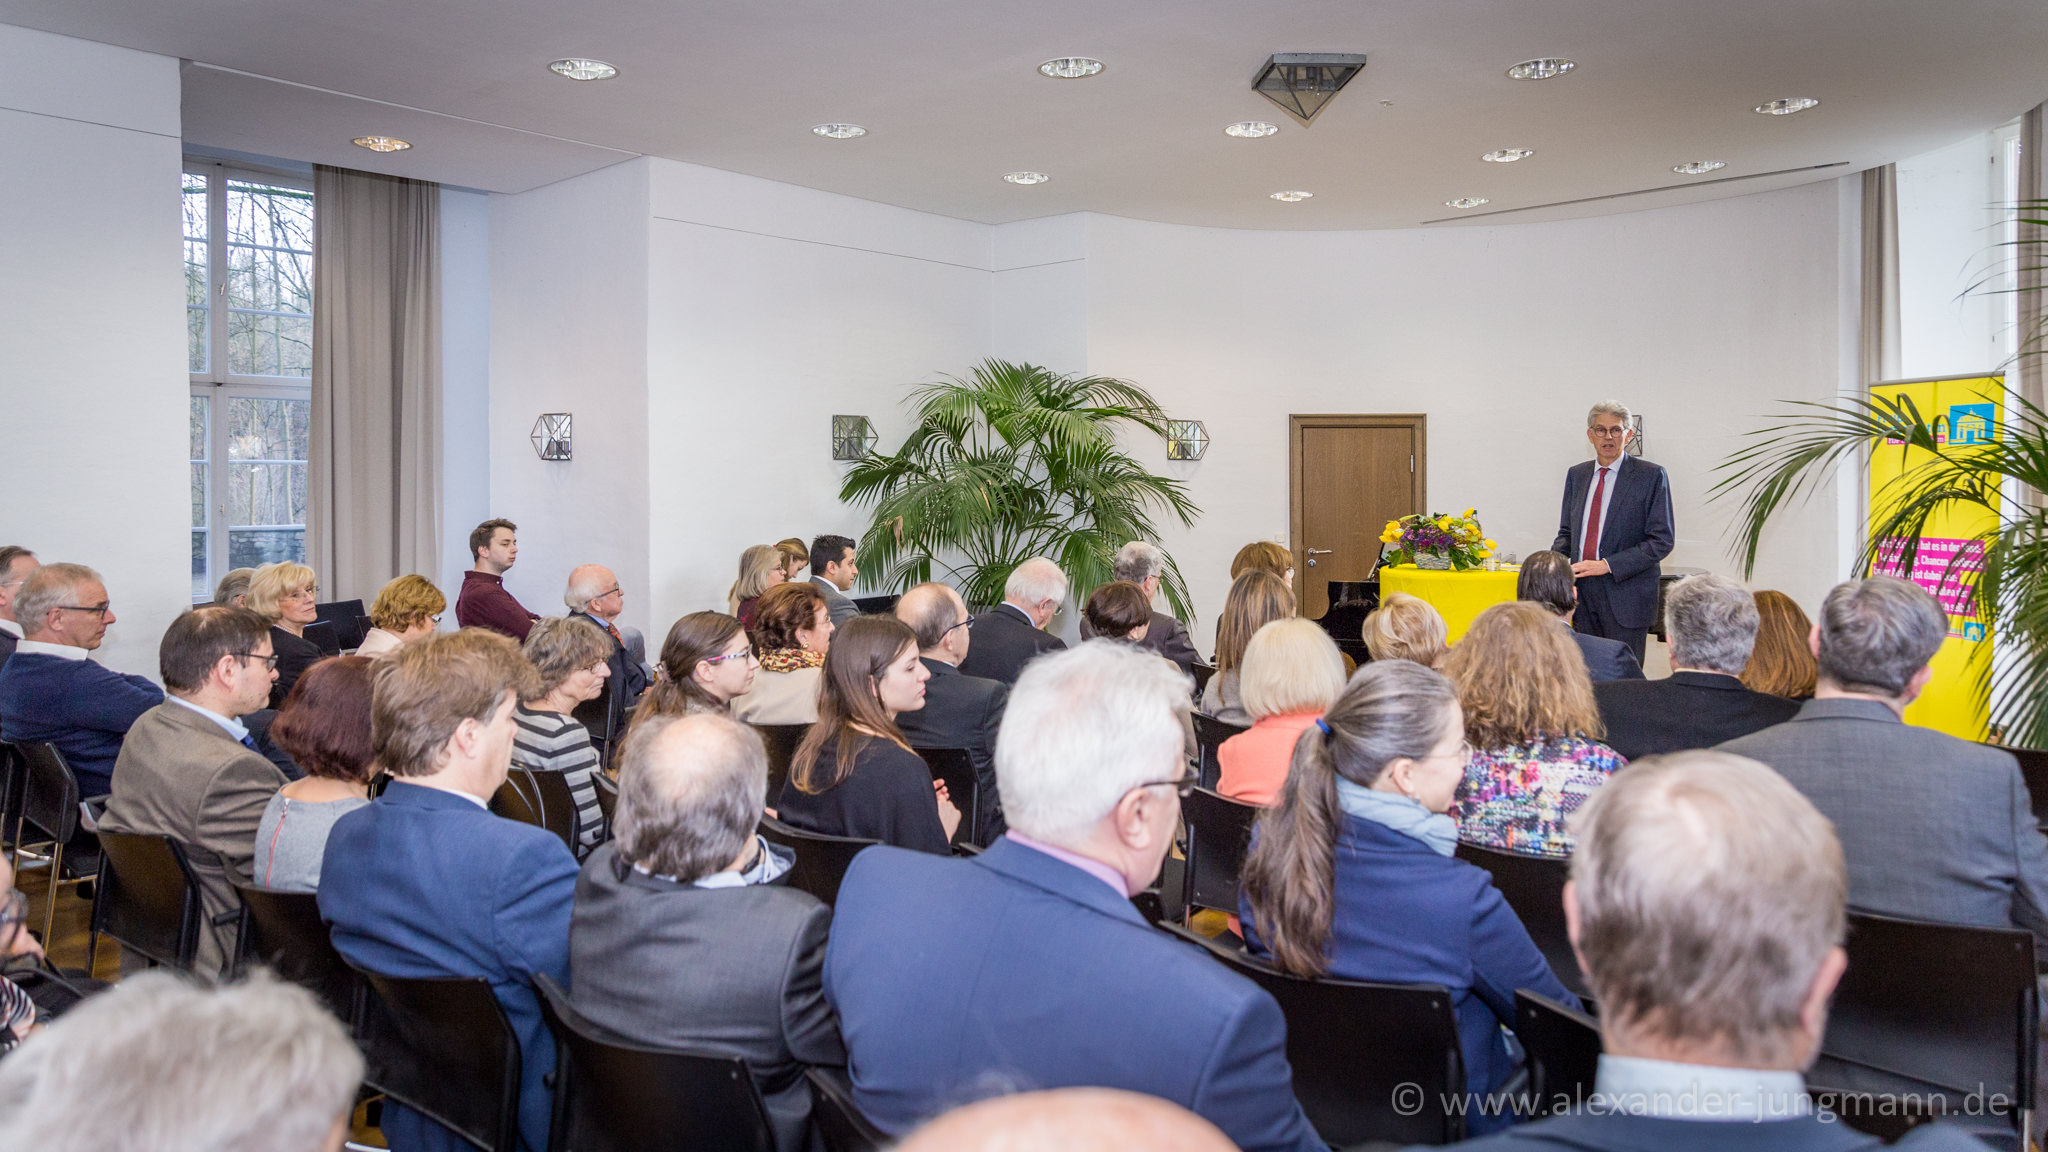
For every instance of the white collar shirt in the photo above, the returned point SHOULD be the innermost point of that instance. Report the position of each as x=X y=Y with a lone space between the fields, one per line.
x=233 y=727
x=45 y=648
x=1633 y=1086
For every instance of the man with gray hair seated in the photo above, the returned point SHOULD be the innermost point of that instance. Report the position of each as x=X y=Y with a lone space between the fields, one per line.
x=52 y=692
x=682 y=936
x=1935 y=828
x=1713 y=982
x=1012 y=633
x=594 y=594
x=1027 y=966
x=1711 y=623
x=1144 y=564
x=233 y=587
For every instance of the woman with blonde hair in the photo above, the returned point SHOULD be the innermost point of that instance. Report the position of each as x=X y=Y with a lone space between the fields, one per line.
x=1782 y=662
x=792 y=633
x=285 y=595
x=1264 y=556
x=1406 y=627
x=1257 y=598
x=406 y=609
x=1292 y=673
x=761 y=568
x=1534 y=727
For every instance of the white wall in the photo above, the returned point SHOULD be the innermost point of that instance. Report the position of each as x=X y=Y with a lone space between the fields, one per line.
x=465 y=378
x=92 y=287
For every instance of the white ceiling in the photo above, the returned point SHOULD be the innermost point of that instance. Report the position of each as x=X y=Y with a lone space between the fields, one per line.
x=951 y=96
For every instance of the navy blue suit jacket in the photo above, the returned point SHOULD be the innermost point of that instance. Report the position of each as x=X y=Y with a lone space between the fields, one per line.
x=957 y=979
x=1636 y=534
x=82 y=708
x=425 y=884
x=1607 y=659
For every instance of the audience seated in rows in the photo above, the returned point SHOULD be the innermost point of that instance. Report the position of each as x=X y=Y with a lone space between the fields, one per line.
x=855 y=774
x=51 y=692
x=1264 y=556
x=706 y=663
x=426 y=883
x=681 y=938
x=1292 y=674
x=18 y=1014
x=1013 y=633
x=285 y=595
x=1117 y=611
x=796 y=557
x=325 y=727
x=1546 y=579
x=571 y=663
x=833 y=574
x=762 y=566
x=1257 y=598
x=233 y=588
x=1935 y=828
x=1028 y=964
x=1069 y=1120
x=1710 y=622
x=407 y=608
x=1782 y=662
x=1406 y=627
x=960 y=711
x=1534 y=728
x=1144 y=565
x=595 y=596
x=793 y=632
x=16 y=563
x=1353 y=874
x=483 y=601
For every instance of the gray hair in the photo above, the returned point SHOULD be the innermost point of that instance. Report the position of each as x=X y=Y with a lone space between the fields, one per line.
x=585 y=586
x=1710 y=893
x=1083 y=727
x=559 y=646
x=1607 y=408
x=1712 y=623
x=691 y=789
x=51 y=586
x=1875 y=634
x=165 y=1064
x=1138 y=562
x=235 y=583
x=1035 y=581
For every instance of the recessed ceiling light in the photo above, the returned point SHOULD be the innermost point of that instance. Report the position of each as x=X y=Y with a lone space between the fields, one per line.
x=1251 y=129
x=1026 y=177
x=577 y=68
x=1787 y=106
x=1542 y=69
x=1697 y=167
x=1467 y=202
x=381 y=143
x=1070 y=67
x=839 y=131
x=1508 y=155
x=1292 y=196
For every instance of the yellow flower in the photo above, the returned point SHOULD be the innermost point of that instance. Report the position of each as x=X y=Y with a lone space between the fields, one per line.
x=1390 y=535
x=1469 y=512
x=1443 y=522
x=1490 y=545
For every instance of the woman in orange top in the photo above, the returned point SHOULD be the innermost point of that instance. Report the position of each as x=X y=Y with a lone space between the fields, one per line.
x=1292 y=673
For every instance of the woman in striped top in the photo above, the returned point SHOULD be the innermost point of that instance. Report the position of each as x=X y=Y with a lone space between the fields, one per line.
x=572 y=658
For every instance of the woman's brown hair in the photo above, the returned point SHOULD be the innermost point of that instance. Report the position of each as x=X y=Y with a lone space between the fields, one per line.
x=1257 y=598
x=1520 y=676
x=1118 y=609
x=783 y=611
x=324 y=725
x=1262 y=556
x=1782 y=662
x=850 y=700
x=794 y=551
x=691 y=640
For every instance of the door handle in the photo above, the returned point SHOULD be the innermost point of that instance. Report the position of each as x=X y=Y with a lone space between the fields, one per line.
x=1315 y=552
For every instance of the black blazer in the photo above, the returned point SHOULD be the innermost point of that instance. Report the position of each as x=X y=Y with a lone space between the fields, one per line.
x=7 y=642
x=623 y=687
x=1164 y=635
x=1636 y=534
x=963 y=712
x=1607 y=659
x=1003 y=642
x=889 y=797
x=1689 y=710
x=730 y=970
x=295 y=654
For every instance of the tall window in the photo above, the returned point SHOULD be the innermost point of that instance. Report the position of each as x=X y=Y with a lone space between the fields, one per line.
x=249 y=324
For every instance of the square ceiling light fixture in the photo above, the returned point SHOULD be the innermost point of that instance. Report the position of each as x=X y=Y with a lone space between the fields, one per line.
x=1304 y=82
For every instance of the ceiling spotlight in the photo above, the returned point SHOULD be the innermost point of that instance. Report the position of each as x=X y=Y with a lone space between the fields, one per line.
x=1251 y=129
x=381 y=143
x=1787 y=106
x=577 y=68
x=1467 y=202
x=1508 y=155
x=1292 y=196
x=839 y=131
x=1542 y=69
x=1070 y=67
x=1697 y=167
x=1026 y=177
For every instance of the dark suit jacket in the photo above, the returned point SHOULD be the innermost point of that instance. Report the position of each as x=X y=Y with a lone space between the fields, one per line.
x=1688 y=710
x=1164 y=635
x=623 y=687
x=1004 y=640
x=1592 y=1132
x=1934 y=828
x=421 y=883
x=963 y=712
x=960 y=978
x=887 y=797
x=1607 y=659
x=7 y=642
x=731 y=970
x=1636 y=534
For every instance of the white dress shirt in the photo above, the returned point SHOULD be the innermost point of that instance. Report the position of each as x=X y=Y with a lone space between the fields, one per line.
x=45 y=648
x=1591 y=550
x=1632 y=1086
x=233 y=727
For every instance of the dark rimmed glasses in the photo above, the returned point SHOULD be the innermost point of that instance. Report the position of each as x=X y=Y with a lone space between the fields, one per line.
x=1183 y=787
x=269 y=661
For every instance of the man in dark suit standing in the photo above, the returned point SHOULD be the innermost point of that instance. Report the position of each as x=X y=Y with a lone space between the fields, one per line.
x=594 y=594
x=1711 y=622
x=834 y=573
x=16 y=563
x=1144 y=564
x=959 y=711
x=1007 y=636
x=1615 y=527
x=1546 y=579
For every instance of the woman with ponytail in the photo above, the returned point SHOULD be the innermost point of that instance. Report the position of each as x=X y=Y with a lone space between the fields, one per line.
x=1353 y=876
x=706 y=662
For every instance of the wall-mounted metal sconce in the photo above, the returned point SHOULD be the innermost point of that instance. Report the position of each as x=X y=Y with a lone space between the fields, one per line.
x=553 y=437
x=1186 y=439
x=852 y=437
x=1635 y=442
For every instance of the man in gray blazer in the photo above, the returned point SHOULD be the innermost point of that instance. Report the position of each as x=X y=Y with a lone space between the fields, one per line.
x=683 y=935
x=1144 y=564
x=833 y=573
x=1934 y=828
x=189 y=769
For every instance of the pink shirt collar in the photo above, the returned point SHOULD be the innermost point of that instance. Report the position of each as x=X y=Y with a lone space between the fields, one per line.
x=1095 y=868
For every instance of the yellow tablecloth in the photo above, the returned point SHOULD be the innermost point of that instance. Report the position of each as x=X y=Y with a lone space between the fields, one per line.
x=1458 y=596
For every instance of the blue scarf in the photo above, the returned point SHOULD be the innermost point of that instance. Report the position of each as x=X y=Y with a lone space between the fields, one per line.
x=1400 y=813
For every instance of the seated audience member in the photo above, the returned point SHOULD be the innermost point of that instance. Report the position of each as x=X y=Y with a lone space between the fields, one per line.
x=18 y=1015
x=796 y=558
x=682 y=939
x=833 y=574
x=16 y=563
x=406 y=609
x=189 y=771
x=1256 y=599
x=425 y=883
x=1406 y=627
x=168 y=1065
x=1144 y=565
x=50 y=690
x=570 y=664
x=1530 y=716
x=233 y=588
x=1117 y=611
x=1292 y=673
x=854 y=774
x=483 y=601
x=1353 y=875
x=1782 y=662
x=960 y=711
x=1264 y=556
x=284 y=594
x=1546 y=579
x=792 y=632
x=1935 y=828
x=594 y=596
x=707 y=662
x=1012 y=634
x=325 y=727
x=1091 y=758
x=1710 y=622
x=1069 y=1120
x=762 y=566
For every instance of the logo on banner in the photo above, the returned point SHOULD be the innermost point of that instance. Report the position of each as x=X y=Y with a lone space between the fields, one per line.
x=1970 y=423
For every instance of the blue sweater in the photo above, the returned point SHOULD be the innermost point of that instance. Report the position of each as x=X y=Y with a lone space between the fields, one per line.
x=82 y=708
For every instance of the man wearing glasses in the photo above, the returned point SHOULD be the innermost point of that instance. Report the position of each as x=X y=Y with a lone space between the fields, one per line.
x=16 y=563
x=595 y=595
x=51 y=693
x=1615 y=527
x=960 y=711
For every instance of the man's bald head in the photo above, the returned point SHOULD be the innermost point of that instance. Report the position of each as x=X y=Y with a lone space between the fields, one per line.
x=935 y=612
x=691 y=790
x=1069 y=1120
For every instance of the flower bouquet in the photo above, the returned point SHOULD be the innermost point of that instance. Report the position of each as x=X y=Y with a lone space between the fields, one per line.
x=1438 y=541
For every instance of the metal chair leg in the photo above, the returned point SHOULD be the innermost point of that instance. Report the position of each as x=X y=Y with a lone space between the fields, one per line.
x=50 y=894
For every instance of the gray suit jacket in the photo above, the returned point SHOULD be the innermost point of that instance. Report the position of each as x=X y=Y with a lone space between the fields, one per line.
x=1934 y=828
x=841 y=608
x=1166 y=636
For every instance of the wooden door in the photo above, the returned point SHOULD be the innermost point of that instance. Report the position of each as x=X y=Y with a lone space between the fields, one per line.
x=1348 y=476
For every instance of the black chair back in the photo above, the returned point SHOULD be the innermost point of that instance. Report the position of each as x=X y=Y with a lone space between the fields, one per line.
x=2034 y=770
x=347 y=623
x=963 y=785
x=321 y=634
x=1534 y=887
x=1210 y=733
x=840 y=1123
x=1564 y=1052
x=444 y=1049
x=284 y=931
x=1219 y=832
x=607 y=800
x=49 y=816
x=821 y=860
x=781 y=741
x=600 y=717
x=1364 y=1054
x=558 y=812
x=518 y=798
x=1201 y=672
x=13 y=779
x=146 y=898
x=876 y=605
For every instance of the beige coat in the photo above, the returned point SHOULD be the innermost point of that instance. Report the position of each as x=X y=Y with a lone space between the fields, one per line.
x=780 y=698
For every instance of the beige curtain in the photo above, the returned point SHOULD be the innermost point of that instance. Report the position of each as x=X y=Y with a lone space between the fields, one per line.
x=374 y=471
x=1880 y=326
